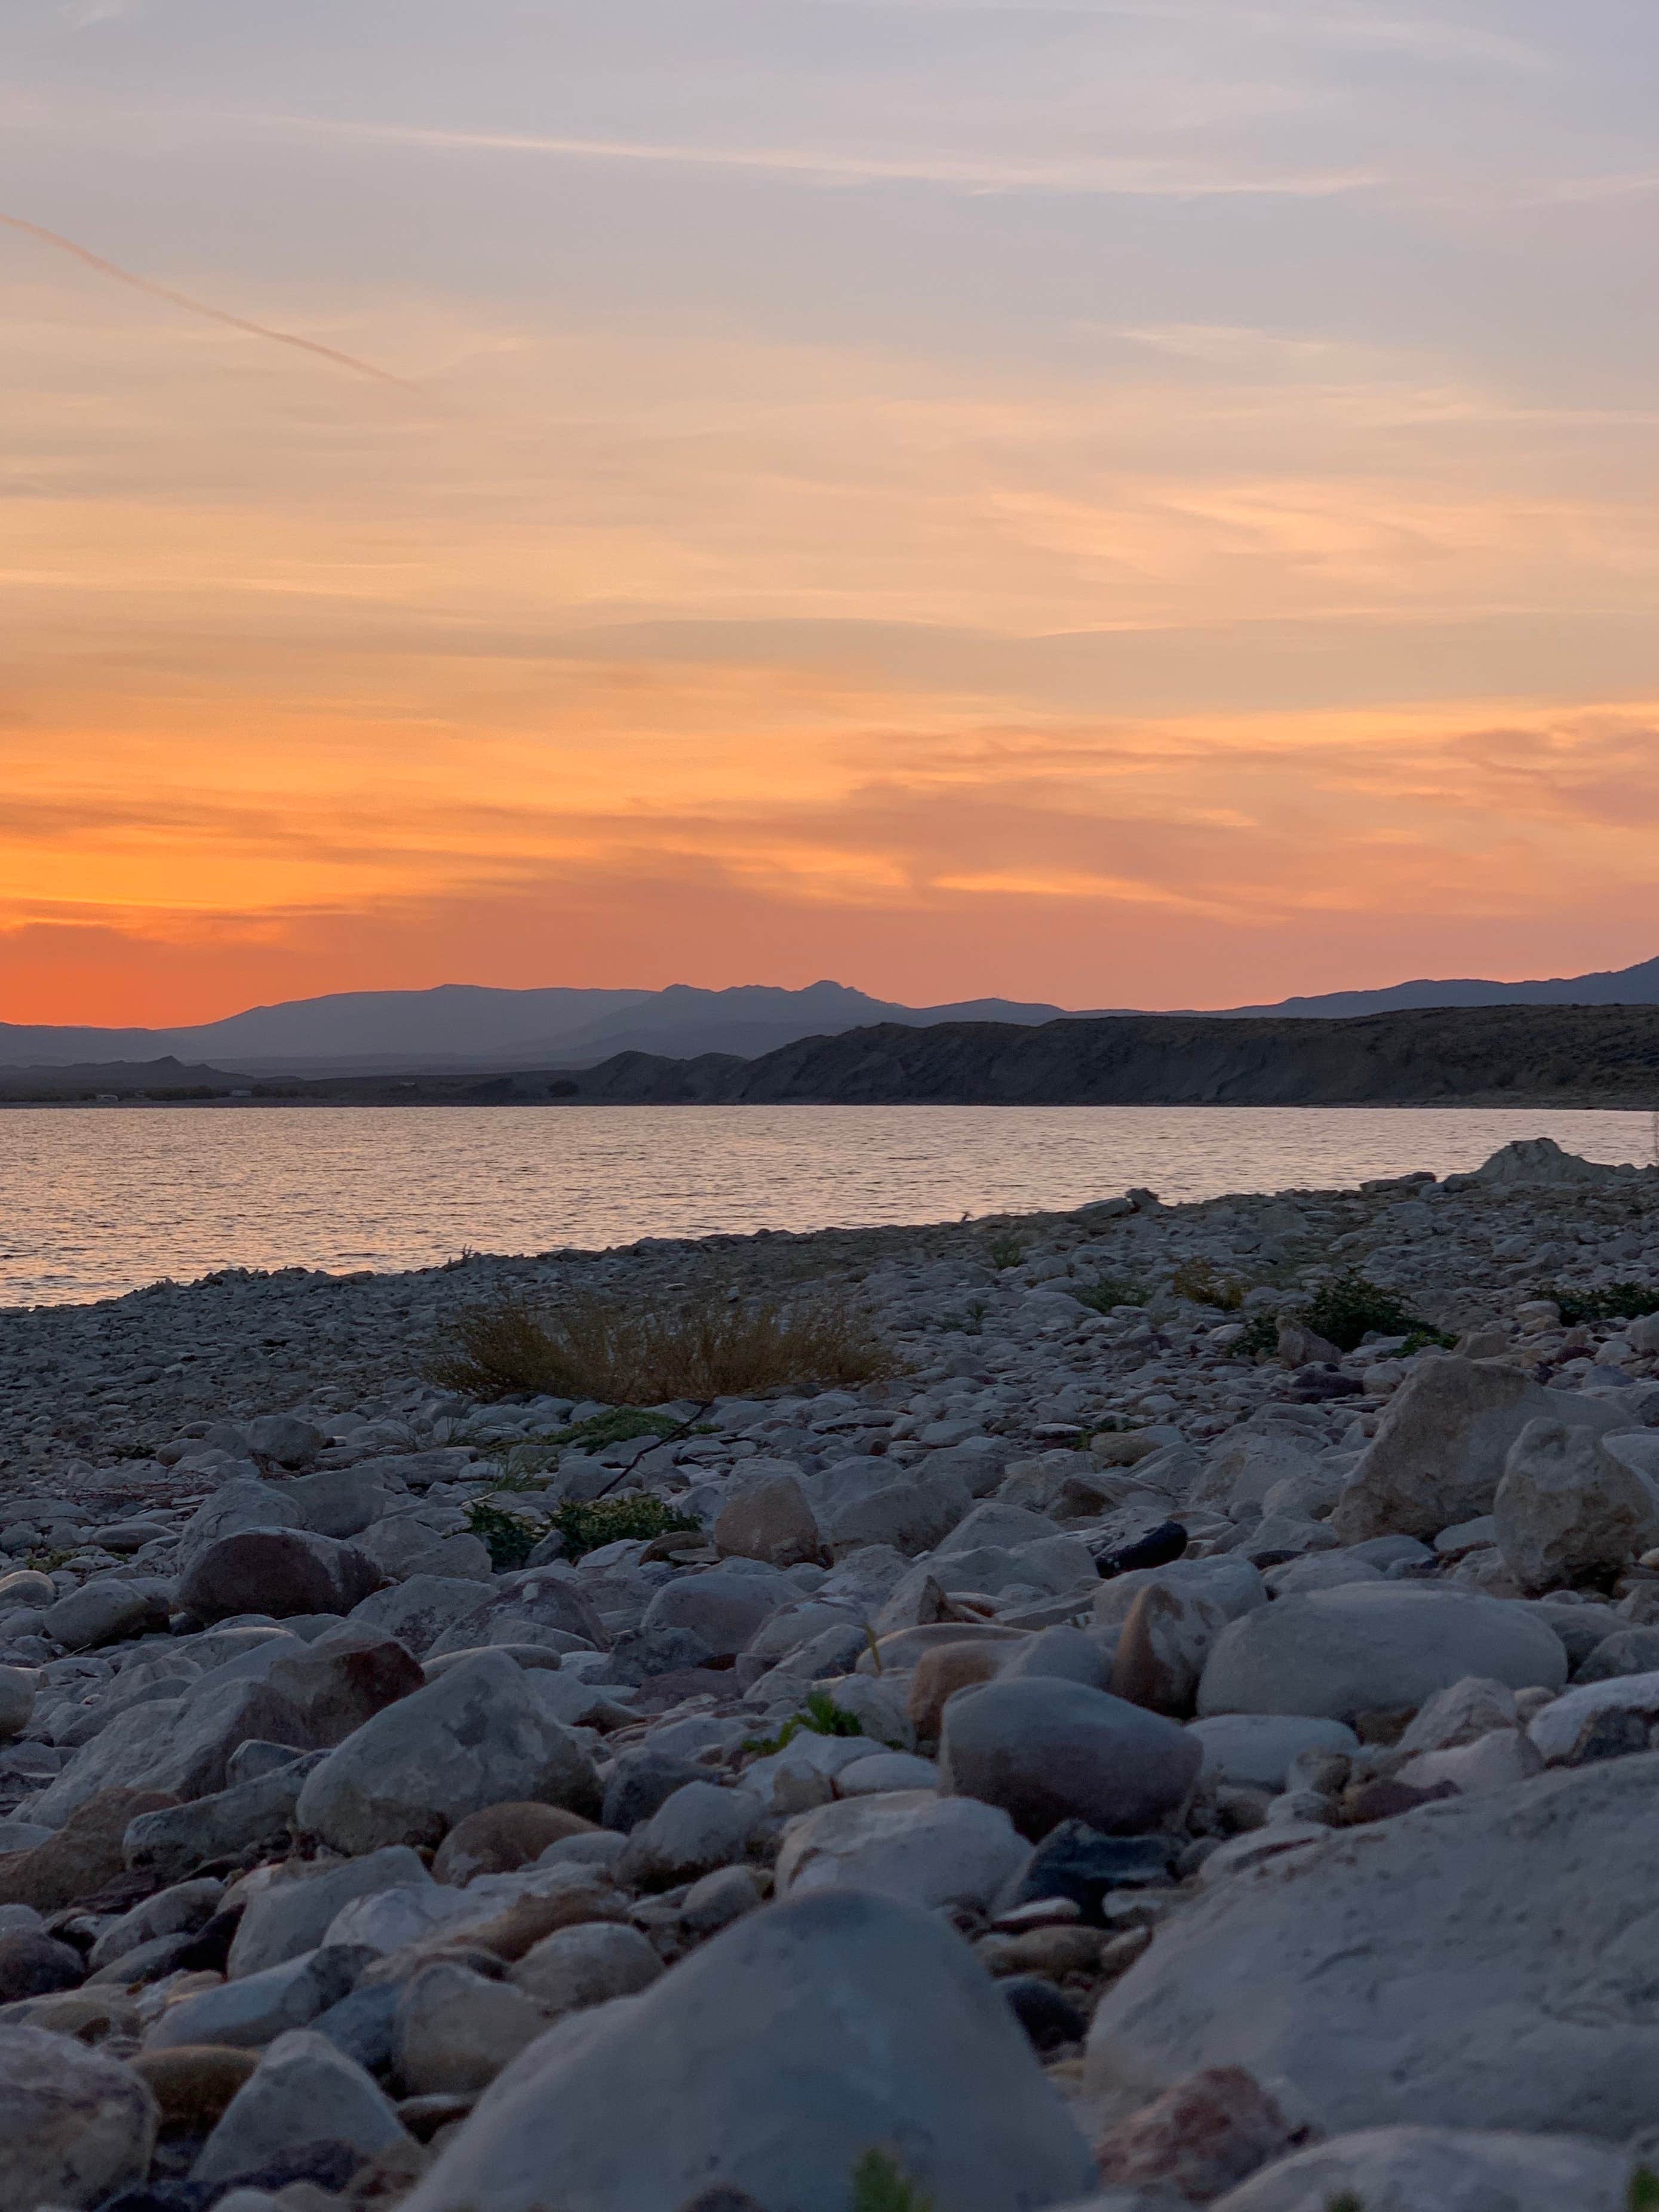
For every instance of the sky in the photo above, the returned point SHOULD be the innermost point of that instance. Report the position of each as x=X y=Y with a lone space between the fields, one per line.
x=1123 y=502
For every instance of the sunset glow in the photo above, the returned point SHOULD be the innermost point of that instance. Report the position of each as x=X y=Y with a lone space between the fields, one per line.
x=1127 y=504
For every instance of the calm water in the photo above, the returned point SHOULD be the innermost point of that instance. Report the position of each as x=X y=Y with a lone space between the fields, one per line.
x=94 y=1202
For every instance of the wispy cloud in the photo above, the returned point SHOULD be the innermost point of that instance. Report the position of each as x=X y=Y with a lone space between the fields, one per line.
x=83 y=255
x=1102 y=176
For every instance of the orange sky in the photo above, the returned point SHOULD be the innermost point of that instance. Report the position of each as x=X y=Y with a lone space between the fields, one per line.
x=909 y=522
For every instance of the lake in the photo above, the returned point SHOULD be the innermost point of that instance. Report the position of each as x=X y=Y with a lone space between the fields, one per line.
x=95 y=1201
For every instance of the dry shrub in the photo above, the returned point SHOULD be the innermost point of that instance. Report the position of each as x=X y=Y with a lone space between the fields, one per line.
x=703 y=1346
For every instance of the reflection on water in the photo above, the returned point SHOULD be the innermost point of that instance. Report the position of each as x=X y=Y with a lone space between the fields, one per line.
x=95 y=1201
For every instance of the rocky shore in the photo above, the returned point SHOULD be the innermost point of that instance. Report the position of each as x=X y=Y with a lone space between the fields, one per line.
x=1143 y=1752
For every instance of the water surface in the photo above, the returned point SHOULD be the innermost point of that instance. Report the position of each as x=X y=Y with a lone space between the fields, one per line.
x=94 y=1202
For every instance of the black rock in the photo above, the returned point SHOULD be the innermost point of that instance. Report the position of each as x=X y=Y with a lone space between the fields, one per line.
x=641 y=1783
x=36 y=1965
x=208 y=1950
x=1156 y=1548
x=1077 y=1862
x=362 y=2024
x=1611 y=1735
x=1048 y=2018
x=1312 y=1385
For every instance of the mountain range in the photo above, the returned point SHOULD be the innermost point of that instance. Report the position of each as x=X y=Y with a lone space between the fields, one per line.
x=465 y=1026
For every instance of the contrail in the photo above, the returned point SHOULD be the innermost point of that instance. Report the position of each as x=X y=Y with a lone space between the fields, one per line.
x=198 y=307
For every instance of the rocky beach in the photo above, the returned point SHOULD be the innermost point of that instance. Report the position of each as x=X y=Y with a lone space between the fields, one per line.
x=1177 y=1733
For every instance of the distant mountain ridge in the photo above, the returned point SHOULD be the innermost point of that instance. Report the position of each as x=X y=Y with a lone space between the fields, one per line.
x=471 y=1026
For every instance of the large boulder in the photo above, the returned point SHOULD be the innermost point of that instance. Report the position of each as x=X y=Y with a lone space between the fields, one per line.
x=1368 y=1647
x=1438 y=1454
x=288 y=1917
x=302 y=2091
x=83 y=1857
x=76 y=2126
x=181 y=1745
x=422 y=1611
x=244 y=1503
x=1047 y=1751
x=475 y=1737
x=909 y=1844
x=281 y=1571
x=766 y=1515
x=1481 y=1962
x=343 y=1501
x=1447 y=2169
x=103 y=1612
x=723 y=1607
x=1567 y=1509
x=343 y=1680
x=796 y=2042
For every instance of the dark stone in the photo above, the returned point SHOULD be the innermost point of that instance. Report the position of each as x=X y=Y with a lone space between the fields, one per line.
x=641 y=1783
x=208 y=1951
x=279 y=1571
x=1158 y=1547
x=1048 y=2018
x=1612 y=1734
x=35 y=1966
x=361 y=2024
x=1312 y=1385
x=1380 y=1799
x=324 y=2165
x=1077 y=1862
x=649 y=1652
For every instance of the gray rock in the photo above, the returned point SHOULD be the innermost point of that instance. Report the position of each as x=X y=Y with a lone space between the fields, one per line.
x=1438 y=1454
x=103 y=1612
x=181 y=1910
x=779 y=2037
x=767 y=1515
x=911 y=1516
x=1046 y=1751
x=421 y=1611
x=1229 y=1582
x=639 y=1782
x=1557 y=1729
x=234 y=1506
x=405 y=1545
x=1628 y=1651
x=723 y=1607
x=76 y=2125
x=177 y=1744
x=290 y=1916
x=284 y=1440
x=454 y=2031
x=1476 y=1963
x=304 y=2090
x=910 y=1845
x=576 y=1967
x=1407 y=2169
x=1255 y=1750
x=1373 y=1646
x=255 y=2010
x=17 y=1699
x=1060 y=1654
x=276 y=1571
x=476 y=1737
x=700 y=1827
x=253 y=1815
x=343 y=1501
x=1566 y=1509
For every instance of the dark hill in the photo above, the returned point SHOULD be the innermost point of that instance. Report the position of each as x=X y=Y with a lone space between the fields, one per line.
x=1489 y=1057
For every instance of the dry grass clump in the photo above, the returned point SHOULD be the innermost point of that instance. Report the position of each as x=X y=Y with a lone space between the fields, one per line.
x=701 y=1346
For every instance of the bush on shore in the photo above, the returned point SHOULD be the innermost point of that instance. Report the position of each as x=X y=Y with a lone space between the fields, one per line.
x=702 y=1347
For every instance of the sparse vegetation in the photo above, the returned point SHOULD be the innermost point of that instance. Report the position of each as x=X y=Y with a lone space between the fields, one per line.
x=1617 y=1301
x=704 y=1346
x=879 y=2185
x=608 y=1520
x=1202 y=1281
x=1004 y=1249
x=821 y=1715
x=1345 y=1312
x=510 y=1538
x=1108 y=1293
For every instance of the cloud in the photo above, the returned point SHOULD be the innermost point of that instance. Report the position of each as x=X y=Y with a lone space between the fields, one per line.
x=1105 y=176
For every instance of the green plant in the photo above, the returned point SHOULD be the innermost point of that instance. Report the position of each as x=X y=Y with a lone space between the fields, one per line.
x=1643 y=2193
x=1617 y=1301
x=1109 y=1292
x=510 y=1539
x=879 y=2185
x=1348 y=2202
x=1202 y=1281
x=620 y=1427
x=608 y=1520
x=1260 y=1338
x=1004 y=1249
x=1349 y=1308
x=704 y=1346
x=821 y=1717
